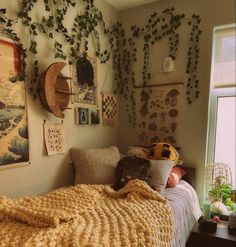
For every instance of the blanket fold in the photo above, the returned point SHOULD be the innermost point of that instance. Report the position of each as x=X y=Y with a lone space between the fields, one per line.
x=138 y=187
x=35 y=216
x=88 y=215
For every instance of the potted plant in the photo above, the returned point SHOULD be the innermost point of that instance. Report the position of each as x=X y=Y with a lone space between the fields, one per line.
x=219 y=196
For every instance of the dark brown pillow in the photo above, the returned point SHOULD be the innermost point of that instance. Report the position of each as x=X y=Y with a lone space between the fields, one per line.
x=131 y=167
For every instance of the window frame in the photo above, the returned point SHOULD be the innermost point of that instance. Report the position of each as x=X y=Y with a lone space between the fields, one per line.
x=212 y=123
x=216 y=91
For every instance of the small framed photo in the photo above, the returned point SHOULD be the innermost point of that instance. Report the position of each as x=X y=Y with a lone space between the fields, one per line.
x=94 y=116
x=81 y=116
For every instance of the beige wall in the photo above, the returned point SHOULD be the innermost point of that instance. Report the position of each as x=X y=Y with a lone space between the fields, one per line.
x=212 y=13
x=46 y=173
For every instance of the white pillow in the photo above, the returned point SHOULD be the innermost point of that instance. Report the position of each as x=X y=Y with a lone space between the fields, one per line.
x=160 y=171
x=95 y=166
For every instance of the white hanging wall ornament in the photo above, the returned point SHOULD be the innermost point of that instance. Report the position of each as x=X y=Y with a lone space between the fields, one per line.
x=109 y=109
x=168 y=64
x=54 y=137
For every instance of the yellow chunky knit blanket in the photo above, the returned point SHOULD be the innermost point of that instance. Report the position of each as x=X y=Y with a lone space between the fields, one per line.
x=88 y=216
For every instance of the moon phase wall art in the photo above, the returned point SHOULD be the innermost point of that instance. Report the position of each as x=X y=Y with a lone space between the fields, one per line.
x=159 y=114
x=14 y=145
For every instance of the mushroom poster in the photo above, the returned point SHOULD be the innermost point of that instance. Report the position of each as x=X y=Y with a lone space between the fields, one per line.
x=159 y=114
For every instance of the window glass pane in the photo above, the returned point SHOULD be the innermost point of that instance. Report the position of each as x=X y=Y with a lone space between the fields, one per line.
x=224 y=62
x=225 y=148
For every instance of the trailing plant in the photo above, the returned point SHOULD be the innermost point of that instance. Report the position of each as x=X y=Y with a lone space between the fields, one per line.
x=120 y=46
x=193 y=59
x=123 y=54
x=221 y=191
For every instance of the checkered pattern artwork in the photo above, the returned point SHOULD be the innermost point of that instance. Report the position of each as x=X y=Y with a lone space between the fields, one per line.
x=109 y=108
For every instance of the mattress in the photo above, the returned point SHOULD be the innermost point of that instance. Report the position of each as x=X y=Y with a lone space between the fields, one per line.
x=186 y=211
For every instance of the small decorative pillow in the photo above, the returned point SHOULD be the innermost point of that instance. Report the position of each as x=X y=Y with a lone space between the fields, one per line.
x=95 y=166
x=163 y=151
x=176 y=174
x=138 y=152
x=131 y=167
x=160 y=171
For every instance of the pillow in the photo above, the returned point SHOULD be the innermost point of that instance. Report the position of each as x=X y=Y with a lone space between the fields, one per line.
x=160 y=171
x=176 y=174
x=131 y=167
x=163 y=151
x=95 y=166
x=138 y=152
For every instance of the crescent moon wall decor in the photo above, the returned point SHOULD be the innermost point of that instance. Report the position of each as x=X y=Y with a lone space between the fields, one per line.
x=54 y=92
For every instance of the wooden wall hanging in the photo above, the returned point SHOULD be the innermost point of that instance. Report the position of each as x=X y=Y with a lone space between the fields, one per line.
x=54 y=92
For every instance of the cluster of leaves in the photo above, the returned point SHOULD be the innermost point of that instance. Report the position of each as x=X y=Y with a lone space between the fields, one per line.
x=121 y=48
x=193 y=60
x=221 y=192
x=52 y=26
x=123 y=53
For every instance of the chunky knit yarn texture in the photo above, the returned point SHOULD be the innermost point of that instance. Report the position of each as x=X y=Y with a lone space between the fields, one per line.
x=88 y=216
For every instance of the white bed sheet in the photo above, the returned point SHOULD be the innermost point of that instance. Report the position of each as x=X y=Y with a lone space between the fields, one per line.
x=186 y=210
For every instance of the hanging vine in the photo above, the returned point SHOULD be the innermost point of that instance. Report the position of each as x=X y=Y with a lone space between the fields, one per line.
x=192 y=61
x=121 y=48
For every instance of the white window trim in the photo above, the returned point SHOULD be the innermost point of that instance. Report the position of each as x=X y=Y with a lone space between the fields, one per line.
x=216 y=91
x=211 y=137
x=214 y=94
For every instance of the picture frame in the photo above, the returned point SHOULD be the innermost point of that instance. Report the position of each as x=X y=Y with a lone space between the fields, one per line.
x=84 y=80
x=160 y=119
x=94 y=116
x=81 y=115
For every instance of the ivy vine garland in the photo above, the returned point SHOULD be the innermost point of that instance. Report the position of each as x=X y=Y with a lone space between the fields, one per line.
x=121 y=48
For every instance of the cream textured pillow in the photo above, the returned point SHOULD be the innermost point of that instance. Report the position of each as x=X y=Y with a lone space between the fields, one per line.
x=160 y=171
x=95 y=166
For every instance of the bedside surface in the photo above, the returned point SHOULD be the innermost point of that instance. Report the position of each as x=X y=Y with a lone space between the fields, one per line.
x=221 y=232
x=220 y=238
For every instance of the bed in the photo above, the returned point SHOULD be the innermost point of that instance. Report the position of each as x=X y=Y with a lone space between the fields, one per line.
x=92 y=215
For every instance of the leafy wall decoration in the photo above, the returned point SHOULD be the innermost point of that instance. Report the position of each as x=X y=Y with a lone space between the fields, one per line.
x=121 y=47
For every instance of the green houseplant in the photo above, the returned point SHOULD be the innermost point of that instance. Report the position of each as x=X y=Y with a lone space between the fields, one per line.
x=220 y=196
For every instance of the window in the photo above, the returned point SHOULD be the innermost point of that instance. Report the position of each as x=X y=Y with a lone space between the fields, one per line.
x=223 y=67
x=225 y=132
x=222 y=106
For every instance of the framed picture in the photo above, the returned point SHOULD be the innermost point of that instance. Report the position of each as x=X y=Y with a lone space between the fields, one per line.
x=94 y=116
x=160 y=118
x=13 y=112
x=84 y=80
x=81 y=115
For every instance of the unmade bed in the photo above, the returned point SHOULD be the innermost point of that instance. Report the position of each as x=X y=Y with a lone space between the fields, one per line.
x=136 y=215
